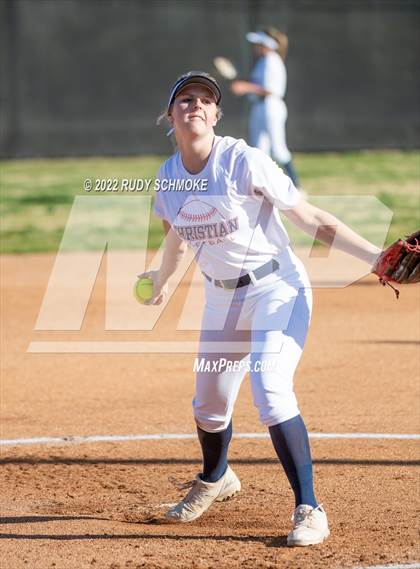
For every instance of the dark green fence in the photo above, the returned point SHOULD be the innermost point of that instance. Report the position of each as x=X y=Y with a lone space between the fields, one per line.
x=82 y=77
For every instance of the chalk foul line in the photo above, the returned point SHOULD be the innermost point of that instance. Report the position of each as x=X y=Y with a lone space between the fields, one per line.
x=185 y=436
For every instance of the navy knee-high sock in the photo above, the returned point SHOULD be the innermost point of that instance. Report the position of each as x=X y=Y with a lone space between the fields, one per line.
x=215 y=449
x=291 y=442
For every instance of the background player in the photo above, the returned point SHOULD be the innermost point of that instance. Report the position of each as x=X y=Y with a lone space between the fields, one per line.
x=258 y=296
x=266 y=90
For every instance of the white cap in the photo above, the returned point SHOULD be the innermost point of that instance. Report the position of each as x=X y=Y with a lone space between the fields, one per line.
x=263 y=39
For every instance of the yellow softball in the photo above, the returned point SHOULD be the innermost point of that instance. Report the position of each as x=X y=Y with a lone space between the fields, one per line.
x=143 y=289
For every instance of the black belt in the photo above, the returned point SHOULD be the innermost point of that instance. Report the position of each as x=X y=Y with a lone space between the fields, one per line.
x=245 y=280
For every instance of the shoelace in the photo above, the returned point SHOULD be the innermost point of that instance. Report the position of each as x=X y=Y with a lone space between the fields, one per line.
x=181 y=485
x=303 y=515
x=193 y=498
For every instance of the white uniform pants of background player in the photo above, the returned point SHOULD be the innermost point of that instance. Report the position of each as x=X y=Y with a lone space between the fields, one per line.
x=268 y=128
x=268 y=321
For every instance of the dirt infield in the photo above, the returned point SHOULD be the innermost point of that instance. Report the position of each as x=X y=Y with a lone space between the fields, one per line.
x=101 y=504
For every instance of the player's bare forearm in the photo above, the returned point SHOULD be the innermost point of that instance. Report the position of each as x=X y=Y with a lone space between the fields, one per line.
x=172 y=255
x=247 y=88
x=331 y=231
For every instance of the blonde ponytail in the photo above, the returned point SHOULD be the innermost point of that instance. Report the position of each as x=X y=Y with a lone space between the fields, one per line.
x=280 y=38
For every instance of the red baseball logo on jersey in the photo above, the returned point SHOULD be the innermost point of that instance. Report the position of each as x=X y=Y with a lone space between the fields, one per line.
x=198 y=211
x=201 y=221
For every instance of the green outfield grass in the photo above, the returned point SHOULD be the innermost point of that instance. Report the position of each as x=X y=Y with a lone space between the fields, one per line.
x=37 y=196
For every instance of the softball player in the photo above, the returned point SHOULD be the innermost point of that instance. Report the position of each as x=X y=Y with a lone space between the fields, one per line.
x=258 y=297
x=266 y=90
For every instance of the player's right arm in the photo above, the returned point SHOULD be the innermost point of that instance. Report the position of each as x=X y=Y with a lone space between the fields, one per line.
x=172 y=254
x=241 y=88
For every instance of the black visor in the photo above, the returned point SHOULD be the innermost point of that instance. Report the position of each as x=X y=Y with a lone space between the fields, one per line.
x=199 y=77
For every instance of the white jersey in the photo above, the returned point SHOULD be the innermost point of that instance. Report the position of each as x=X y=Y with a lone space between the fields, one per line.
x=269 y=72
x=267 y=121
x=233 y=225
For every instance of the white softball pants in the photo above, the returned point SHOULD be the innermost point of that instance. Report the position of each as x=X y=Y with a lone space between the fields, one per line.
x=260 y=328
x=267 y=125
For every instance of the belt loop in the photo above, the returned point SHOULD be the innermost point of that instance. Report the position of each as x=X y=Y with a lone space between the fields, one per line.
x=253 y=278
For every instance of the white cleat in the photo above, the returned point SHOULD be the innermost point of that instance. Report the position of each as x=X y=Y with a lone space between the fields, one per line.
x=310 y=526
x=202 y=495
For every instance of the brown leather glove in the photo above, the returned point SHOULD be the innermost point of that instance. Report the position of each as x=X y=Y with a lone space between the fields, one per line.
x=400 y=262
